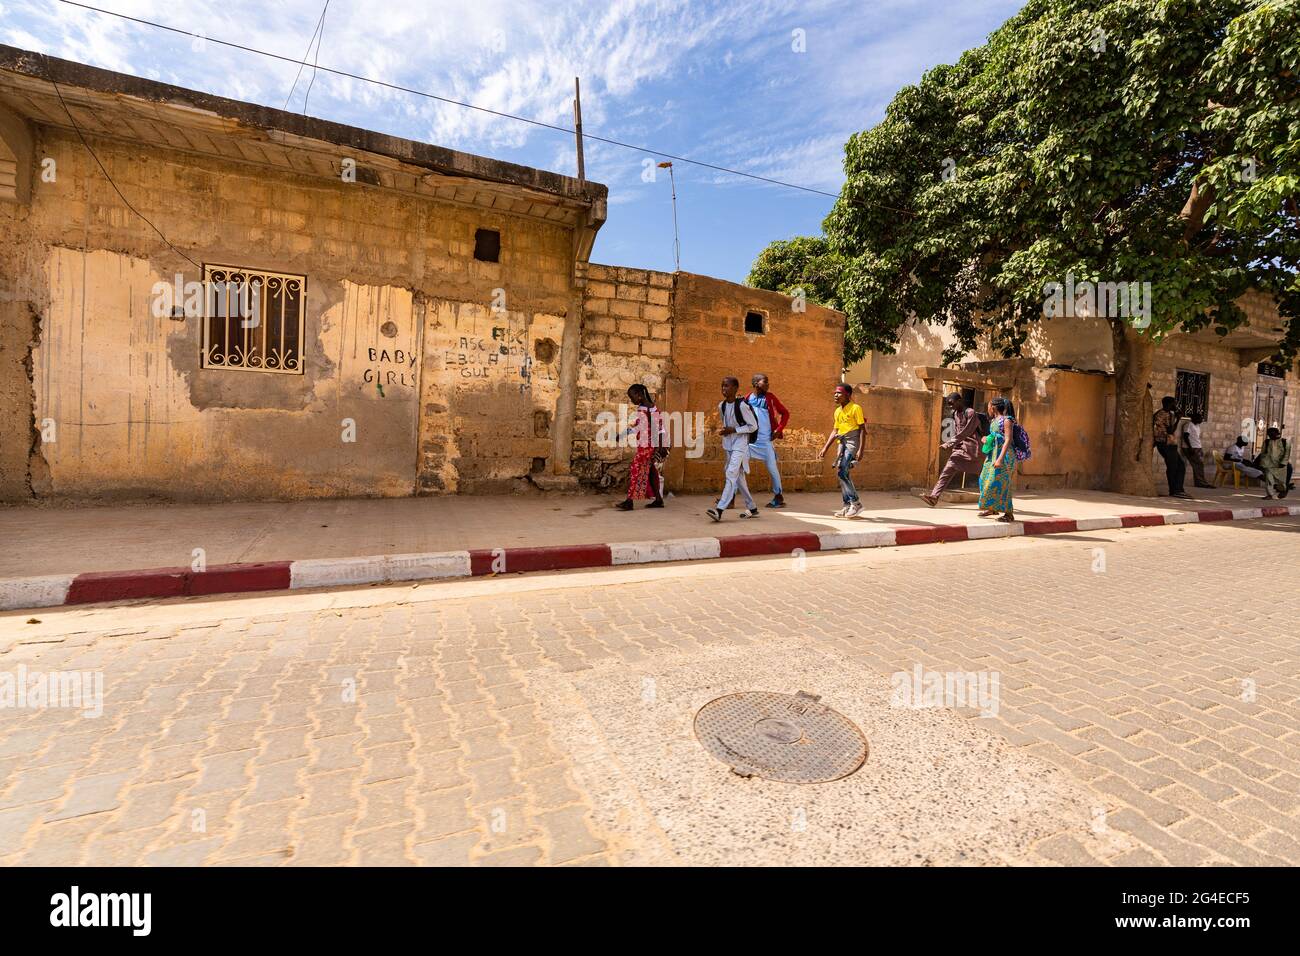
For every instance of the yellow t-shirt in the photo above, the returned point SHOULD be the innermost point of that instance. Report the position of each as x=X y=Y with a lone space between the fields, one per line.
x=848 y=417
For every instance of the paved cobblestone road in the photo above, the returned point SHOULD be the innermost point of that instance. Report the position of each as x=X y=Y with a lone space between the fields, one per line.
x=1150 y=700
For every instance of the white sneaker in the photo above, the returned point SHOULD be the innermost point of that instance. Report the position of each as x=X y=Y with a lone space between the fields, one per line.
x=855 y=509
x=841 y=513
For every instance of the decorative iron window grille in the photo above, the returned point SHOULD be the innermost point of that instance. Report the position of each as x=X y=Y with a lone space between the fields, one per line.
x=1192 y=392
x=253 y=320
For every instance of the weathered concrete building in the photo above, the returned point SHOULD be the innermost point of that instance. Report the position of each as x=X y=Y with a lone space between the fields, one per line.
x=208 y=299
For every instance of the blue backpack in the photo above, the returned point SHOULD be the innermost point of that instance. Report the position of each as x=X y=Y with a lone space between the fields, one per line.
x=1020 y=442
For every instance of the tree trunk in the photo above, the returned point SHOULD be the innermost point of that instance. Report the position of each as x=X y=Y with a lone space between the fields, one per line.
x=1131 y=450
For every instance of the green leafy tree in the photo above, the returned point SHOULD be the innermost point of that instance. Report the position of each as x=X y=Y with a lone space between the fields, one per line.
x=1146 y=142
x=802 y=266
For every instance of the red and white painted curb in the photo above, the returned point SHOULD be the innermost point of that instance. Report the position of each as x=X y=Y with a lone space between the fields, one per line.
x=99 y=586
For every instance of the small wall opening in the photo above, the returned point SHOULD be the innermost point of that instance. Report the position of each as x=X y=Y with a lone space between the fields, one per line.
x=487 y=245
x=755 y=323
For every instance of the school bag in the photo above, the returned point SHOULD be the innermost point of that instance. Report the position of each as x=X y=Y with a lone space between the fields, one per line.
x=1020 y=442
x=740 y=418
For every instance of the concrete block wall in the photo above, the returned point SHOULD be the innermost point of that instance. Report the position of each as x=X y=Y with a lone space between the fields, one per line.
x=627 y=332
x=801 y=352
x=899 y=437
x=136 y=416
x=19 y=328
x=1231 y=394
x=679 y=334
x=489 y=389
x=1232 y=385
x=446 y=369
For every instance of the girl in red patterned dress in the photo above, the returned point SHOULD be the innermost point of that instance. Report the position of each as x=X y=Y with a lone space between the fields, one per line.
x=643 y=480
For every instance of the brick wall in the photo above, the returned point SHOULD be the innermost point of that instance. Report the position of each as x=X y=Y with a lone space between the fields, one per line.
x=680 y=334
x=1232 y=390
x=801 y=352
x=626 y=339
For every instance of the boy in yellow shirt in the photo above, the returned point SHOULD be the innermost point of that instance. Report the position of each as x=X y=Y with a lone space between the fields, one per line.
x=850 y=429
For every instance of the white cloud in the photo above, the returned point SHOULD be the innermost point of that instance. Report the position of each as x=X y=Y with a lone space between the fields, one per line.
x=711 y=79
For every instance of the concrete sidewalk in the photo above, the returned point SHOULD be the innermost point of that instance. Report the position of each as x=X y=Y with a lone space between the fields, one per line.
x=60 y=540
x=57 y=555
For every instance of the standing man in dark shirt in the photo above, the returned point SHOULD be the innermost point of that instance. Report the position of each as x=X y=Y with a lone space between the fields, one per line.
x=964 y=454
x=1164 y=425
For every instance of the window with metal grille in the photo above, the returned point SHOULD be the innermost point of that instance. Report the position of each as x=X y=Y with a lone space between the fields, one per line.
x=253 y=320
x=1192 y=392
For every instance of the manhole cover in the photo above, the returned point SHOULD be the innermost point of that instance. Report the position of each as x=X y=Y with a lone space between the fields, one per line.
x=787 y=737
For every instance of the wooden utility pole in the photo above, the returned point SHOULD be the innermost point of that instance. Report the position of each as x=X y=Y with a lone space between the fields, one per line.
x=577 y=128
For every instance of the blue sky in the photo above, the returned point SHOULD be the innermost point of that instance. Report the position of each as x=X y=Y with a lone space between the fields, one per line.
x=719 y=82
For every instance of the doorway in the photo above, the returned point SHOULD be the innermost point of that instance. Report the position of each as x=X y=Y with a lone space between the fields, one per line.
x=974 y=397
x=1270 y=409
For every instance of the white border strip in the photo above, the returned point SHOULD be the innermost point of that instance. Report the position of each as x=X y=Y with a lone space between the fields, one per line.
x=333 y=572
x=418 y=567
x=846 y=540
x=676 y=549
x=47 y=591
x=994 y=529
x=1098 y=524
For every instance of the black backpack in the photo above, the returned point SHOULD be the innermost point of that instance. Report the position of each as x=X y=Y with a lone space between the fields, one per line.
x=740 y=418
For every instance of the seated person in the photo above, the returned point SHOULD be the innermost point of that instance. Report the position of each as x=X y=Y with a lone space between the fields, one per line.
x=1236 y=454
x=1272 y=462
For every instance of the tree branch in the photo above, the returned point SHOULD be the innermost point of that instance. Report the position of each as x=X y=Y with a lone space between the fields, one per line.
x=1193 y=213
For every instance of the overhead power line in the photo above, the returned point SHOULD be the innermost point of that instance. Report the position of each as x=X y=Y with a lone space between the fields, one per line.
x=320 y=28
x=320 y=23
x=483 y=109
x=119 y=192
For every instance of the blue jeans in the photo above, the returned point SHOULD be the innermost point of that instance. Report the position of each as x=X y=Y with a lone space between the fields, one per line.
x=765 y=453
x=848 y=451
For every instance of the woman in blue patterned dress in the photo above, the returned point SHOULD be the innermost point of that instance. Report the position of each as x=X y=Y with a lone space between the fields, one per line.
x=1000 y=465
